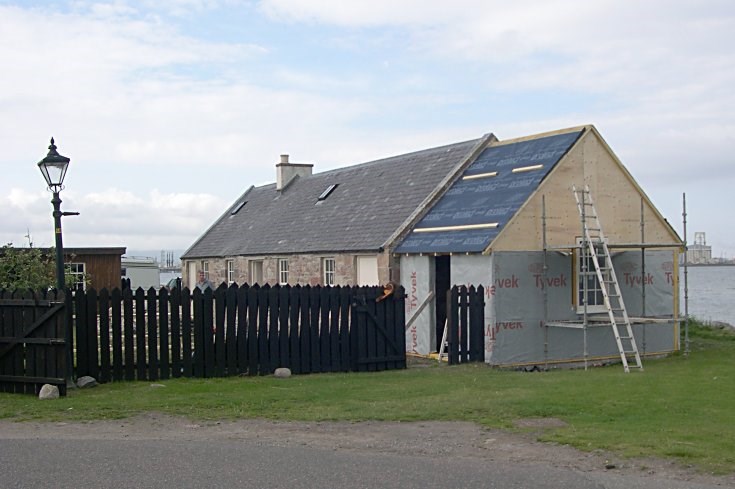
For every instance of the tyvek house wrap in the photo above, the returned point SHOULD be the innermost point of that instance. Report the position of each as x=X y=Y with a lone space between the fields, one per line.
x=514 y=285
x=659 y=295
x=477 y=270
x=417 y=278
x=518 y=333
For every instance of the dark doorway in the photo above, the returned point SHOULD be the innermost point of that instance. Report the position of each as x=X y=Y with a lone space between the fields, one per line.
x=442 y=283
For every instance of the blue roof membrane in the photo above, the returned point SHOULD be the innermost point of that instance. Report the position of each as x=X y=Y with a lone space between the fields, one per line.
x=486 y=200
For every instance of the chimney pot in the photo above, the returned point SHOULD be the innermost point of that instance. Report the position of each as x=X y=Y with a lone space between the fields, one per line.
x=284 y=158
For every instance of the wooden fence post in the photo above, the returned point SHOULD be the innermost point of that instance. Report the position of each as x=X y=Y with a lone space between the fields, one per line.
x=220 y=348
x=231 y=306
x=104 y=320
x=127 y=297
x=263 y=296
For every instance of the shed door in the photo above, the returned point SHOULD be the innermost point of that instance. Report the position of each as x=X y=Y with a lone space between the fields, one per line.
x=367 y=270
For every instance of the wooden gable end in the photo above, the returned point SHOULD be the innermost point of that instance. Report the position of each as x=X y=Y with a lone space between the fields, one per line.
x=616 y=195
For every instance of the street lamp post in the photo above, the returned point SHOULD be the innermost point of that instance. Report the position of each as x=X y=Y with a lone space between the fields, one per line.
x=53 y=167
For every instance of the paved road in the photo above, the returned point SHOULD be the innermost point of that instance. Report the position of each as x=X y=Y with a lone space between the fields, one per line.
x=120 y=463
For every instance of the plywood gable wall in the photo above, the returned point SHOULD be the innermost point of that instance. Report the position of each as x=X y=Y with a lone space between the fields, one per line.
x=617 y=199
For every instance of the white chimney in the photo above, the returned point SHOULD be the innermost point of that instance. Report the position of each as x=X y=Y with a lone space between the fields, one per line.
x=286 y=172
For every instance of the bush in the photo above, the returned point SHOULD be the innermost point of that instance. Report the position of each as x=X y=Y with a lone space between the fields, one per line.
x=26 y=268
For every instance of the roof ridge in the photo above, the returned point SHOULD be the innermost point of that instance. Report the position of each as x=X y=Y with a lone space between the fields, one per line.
x=383 y=160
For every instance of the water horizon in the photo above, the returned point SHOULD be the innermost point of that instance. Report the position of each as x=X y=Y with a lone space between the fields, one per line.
x=711 y=291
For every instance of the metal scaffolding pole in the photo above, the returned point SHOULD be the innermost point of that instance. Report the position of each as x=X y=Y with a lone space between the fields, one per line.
x=545 y=283
x=686 y=276
x=584 y=245
x=643 y=274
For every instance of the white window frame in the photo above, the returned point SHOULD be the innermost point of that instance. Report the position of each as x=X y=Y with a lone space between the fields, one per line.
x=283 y=271
x=366 y=267
x=255 y=272
x=329 y=267
x=230 y=271
x=595 y=297
x=73 y=269
x=205 y=269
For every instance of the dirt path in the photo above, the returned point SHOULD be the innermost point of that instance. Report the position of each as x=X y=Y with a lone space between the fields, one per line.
x=432 y=439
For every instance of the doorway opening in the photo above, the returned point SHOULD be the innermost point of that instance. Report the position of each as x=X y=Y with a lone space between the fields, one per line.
x=442 y=284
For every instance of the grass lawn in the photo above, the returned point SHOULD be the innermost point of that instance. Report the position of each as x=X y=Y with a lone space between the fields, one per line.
x=679 y=407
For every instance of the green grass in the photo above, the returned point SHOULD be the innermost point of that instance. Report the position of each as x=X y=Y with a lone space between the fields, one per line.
x=680 y=407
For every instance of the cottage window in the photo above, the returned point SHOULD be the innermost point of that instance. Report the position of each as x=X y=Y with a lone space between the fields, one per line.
x=589 y=289
x=328 y=266
x=256 y=272
x=230 y=272
x=367 y=270
x=76 y=271
x=205 y=269
x=283 y=271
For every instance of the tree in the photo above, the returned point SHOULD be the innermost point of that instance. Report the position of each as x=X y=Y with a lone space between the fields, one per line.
x=28 y=268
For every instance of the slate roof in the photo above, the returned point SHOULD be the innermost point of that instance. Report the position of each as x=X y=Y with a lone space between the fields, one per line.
x=371 y=202
x=481 y=199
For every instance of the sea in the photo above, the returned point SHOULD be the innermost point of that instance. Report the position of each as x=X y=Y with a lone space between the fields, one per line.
x=711 y=293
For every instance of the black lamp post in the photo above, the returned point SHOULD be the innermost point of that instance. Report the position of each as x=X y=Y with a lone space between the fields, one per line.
x=53 y=167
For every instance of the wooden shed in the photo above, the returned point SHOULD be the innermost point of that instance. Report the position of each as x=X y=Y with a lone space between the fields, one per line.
x=100 y=266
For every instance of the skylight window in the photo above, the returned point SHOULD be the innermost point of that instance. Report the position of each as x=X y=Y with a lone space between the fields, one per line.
x=328 y=191
x=237 y=208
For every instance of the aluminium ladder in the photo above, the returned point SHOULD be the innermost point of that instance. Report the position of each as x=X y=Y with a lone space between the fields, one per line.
x=593 y=248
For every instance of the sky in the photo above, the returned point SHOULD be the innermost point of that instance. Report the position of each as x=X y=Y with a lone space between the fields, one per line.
x=171 y=109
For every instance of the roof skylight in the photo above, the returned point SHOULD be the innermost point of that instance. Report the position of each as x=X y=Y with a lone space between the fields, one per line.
x=328 y=191
x=237 y=208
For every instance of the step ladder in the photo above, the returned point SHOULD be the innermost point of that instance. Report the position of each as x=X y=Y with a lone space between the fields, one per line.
x=594 y=249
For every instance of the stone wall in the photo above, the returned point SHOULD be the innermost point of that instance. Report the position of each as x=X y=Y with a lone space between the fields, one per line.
x=302 y=269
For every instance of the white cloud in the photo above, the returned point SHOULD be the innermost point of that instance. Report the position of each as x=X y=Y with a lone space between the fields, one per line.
x=140 y=103
x=112 y=217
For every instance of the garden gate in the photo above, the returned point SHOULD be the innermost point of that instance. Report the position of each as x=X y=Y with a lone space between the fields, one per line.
x=32 y=341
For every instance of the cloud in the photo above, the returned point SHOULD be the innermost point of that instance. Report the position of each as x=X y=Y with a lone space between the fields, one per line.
x=143 y=103
x=659 y=78
x=160 y=219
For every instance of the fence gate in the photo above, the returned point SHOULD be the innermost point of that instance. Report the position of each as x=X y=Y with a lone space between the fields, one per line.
x=32 y=341
x=378 y=335
x=466 y=324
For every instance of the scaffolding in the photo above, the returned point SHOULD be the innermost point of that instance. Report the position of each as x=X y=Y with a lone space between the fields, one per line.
x=594 y=320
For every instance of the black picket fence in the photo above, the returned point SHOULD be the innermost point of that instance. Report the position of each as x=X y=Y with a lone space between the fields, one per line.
x=33 y=340
x=159 y=334
x=466 y=324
